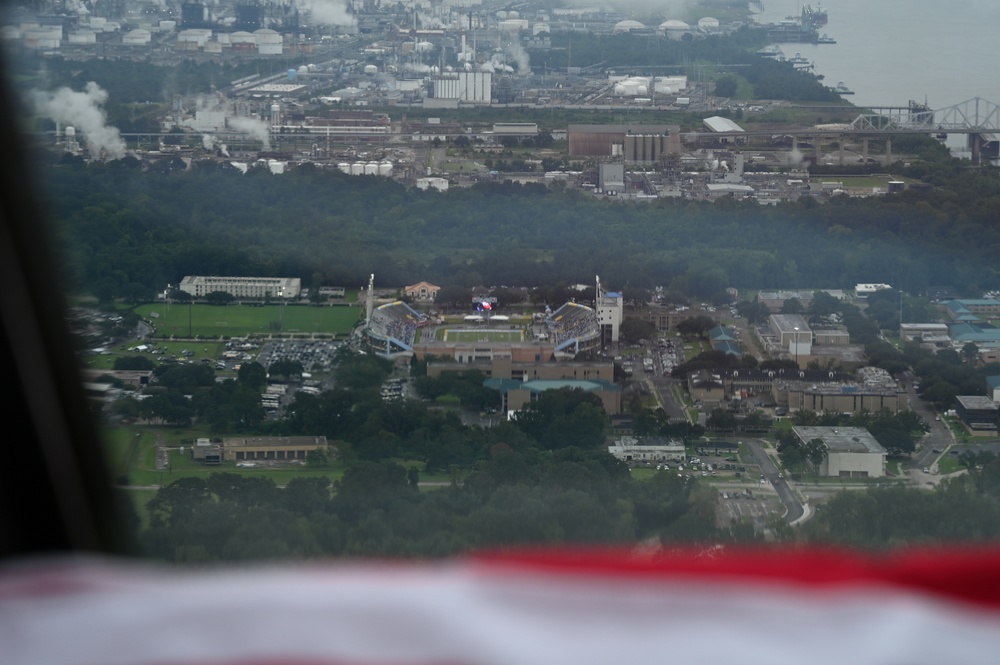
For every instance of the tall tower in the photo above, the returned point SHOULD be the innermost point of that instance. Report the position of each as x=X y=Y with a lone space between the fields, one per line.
x=610 y=312
x=370 y=299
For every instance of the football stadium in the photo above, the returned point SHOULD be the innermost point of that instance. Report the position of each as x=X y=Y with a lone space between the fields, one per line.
x=395 y=329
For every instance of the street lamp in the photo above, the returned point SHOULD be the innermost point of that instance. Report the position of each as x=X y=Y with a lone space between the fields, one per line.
x=795 y=341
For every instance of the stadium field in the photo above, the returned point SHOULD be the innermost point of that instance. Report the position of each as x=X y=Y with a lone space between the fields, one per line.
x=459 y=335
x=240 y=320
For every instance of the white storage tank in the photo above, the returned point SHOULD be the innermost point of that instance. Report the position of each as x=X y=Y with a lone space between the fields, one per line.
x=371 y=70
x=385 y=168
x=371 y=168
x=344 y=167
x=357 y=168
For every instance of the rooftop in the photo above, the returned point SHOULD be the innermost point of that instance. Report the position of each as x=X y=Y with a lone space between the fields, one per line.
x=842 y=439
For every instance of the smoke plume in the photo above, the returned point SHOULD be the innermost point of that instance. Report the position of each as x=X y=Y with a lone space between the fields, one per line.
x=84 y=111
x=255 y=128
x=328 y=12
x=519 y=56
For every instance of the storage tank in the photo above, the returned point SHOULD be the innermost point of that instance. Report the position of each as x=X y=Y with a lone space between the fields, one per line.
x=292 y=74
x=385 y=168
x=371 y=70
x=357 y=168
x=344 y=167
x=275 y=166
x=371 y=168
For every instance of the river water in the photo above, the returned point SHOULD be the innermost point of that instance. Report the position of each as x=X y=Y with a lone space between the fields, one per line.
x=891 y=51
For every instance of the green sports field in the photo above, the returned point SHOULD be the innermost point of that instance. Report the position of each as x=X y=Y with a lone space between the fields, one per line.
x=453 y=335
x=240 y=320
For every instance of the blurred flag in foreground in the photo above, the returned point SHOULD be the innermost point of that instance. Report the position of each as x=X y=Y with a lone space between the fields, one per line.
x=579 y=607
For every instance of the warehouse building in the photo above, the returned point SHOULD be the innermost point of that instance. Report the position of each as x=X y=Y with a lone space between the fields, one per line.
x=851 y=452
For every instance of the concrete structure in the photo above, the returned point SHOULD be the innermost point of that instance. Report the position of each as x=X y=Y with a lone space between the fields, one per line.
x=719 y=124
x=706 y=387
x=831 y=336
x=272 y=448
x=972 y=310
x=978 y=413
x=507 y=368
x=840 y=396
x=993 y=387
x=518 y=394
x=851 y=452
x=423 y=291
x=207 y=452
x=775 y=300
x=286 y=288
x=515 y=128
x=794 y=334
x=981 y=336
x=610 y=140
x=611 y=178
x=440 y=184
x=610 y=312
x=862 y=291
x=474 y=87
x=927 y=332
x=648 y=449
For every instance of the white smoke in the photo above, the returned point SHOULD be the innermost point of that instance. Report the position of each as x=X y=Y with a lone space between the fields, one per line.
x=255 y=128
x=417 y=67
x=328 y=12
x=83 y=110
x=519 y=56
x=668 y=8
x=212 y=142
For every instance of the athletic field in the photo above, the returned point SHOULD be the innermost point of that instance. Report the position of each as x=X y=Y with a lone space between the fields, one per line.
x=240 y=320
x=460 y=335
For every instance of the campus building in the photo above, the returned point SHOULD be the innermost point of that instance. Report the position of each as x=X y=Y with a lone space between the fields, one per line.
x=648 y=449
x=271 y=448
x=285 y=288
x=851 y=452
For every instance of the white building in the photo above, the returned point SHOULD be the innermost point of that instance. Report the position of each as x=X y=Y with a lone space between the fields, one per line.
x=610 y=312
x=440 y=184
x=286 y=288
x=793 y=333
x=647 y=449
x=465 y=86
x=852 y=452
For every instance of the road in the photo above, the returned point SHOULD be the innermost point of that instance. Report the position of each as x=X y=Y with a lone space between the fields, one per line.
x=788 y=498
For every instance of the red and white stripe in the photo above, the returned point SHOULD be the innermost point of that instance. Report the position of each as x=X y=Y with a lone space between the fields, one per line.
x=548 y=607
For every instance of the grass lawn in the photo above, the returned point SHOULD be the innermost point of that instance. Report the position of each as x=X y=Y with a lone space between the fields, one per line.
x=237 y=321
x=482 y=335
x=949 y=464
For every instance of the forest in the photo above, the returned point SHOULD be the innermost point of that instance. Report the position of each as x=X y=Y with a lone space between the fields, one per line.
x=125 y=230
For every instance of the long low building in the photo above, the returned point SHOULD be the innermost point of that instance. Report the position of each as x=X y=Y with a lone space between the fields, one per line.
x=648 y=449
x=518 y=394
x=286 y=288
x=271 y=448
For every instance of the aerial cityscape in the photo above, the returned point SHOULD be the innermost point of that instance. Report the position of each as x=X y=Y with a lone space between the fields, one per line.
x=429 y=277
